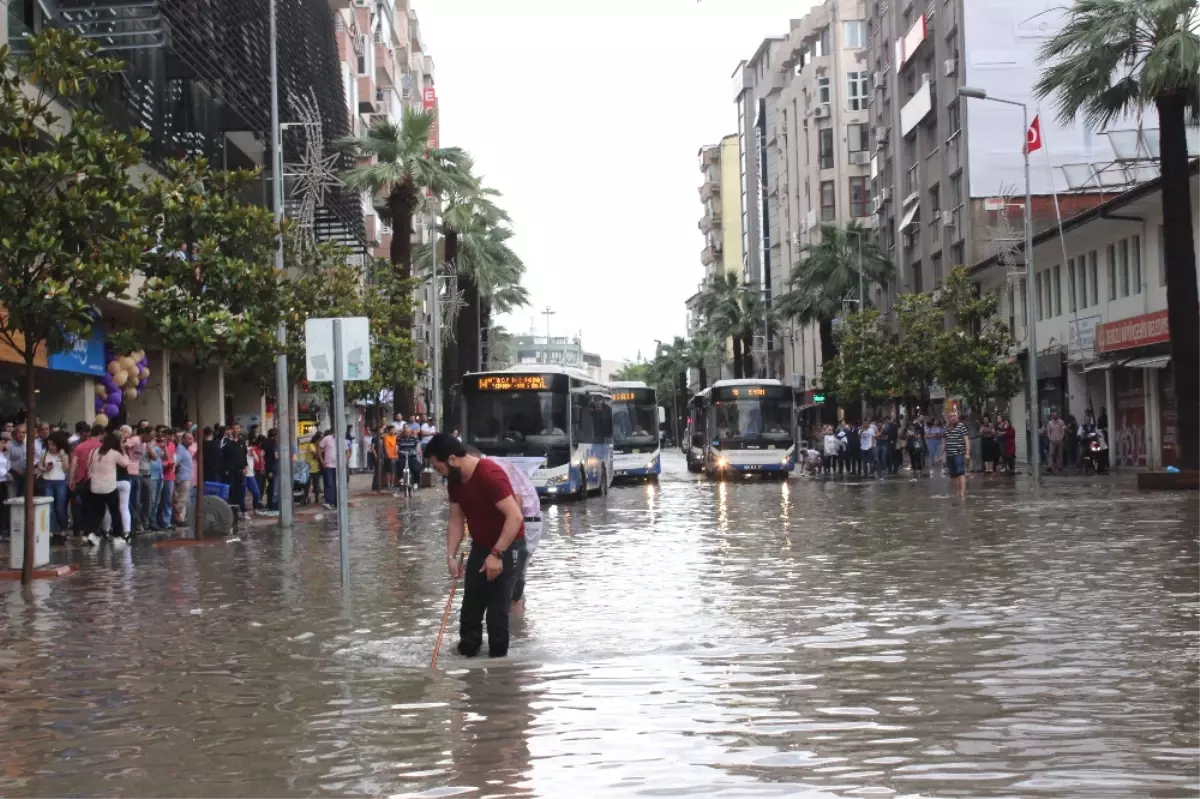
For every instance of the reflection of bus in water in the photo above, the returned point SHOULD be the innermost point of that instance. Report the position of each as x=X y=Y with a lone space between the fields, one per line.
x=635 y=430
x=747 y=426
x=554 y=423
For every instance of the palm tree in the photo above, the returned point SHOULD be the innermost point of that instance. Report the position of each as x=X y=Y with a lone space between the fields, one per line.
x=402 y=167
x=704 y=350
x=1119 y=56
x=729 y=315
x=668 y=375
x=827 y=276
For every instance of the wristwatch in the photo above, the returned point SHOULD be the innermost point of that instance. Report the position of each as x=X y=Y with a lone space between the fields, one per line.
x=499 y=553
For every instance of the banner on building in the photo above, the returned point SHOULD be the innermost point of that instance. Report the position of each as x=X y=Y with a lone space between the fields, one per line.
x=1136 y=331
x=83 y=355
x=429 y=103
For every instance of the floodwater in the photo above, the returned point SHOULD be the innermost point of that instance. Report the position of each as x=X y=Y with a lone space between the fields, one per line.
x=798 y=639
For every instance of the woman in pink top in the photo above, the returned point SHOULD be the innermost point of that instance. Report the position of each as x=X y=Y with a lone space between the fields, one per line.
x=103 y=496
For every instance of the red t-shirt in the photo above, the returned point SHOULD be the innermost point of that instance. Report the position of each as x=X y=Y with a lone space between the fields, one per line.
x=478 y=497
x=83 y=452
x=169 y=461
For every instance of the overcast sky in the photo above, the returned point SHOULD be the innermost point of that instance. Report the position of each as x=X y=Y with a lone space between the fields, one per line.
x=589 y=120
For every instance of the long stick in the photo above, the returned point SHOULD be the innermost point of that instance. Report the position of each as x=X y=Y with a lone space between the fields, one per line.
x=446 y=615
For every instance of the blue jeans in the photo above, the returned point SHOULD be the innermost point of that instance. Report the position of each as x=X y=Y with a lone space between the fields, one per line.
x=935 y=449
x=955 y=465
x=150 y=506
x=164 y=504
x=330 y=477
x=883 y=452
x=58 y=511
x=867 y=456
x=251 y=484
x=135 y=496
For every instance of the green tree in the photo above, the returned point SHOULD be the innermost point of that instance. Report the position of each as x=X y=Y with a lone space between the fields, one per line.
x=828 y=276
x=633 y=372
x=922 y=327
x=212 y=292
x=704 y=351
x=71 y=224
x=1122 y=56
x=668 y=377
x=972 y=357
x=865 y=362
x=387 y=300
x=735 y=311
x=401 y=167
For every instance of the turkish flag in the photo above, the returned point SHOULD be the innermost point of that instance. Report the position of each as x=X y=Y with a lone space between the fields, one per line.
x=1033 y=136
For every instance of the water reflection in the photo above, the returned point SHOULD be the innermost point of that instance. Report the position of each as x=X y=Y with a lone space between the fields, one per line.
x=799 y=639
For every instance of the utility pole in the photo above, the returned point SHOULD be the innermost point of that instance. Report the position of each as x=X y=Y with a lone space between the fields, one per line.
x=436 y=402
x=548 y=313
x=283 y=482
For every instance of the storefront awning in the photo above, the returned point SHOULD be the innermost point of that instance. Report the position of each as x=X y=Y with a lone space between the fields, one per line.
x=909 y=215
x=1149 y=362
x=1101 y=365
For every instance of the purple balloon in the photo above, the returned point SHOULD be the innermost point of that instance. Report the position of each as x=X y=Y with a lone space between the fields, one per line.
x=99 y=405
x=141 y=385
x=111 y=411
x=109 y=383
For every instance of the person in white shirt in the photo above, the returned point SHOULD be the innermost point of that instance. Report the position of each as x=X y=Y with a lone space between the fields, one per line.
x=103 y=464
x=831 y=446
x=866 y=443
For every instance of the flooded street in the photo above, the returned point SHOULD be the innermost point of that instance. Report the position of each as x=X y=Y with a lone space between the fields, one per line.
x=798 y=639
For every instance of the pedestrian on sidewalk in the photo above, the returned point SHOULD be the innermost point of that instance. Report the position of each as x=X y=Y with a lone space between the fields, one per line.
x=481 y=495
x=53 y=468
x=135 y=448
x=957 y=452
x=915 y=442
x=853 y=450
x=935 y=433
x=1056 y=434
x=104 y=496
x=185 y=470
x=234 y=457
x=987 y=440
x=166 y=496
x=866 y=446
x=1006 y=439
x=270 y=451
x=258 y=465
x=310 y=453
x=831 y=446
x=328 y=452
x=390 y=457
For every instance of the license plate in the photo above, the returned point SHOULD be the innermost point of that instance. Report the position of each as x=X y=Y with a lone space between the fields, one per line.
x=751 y=467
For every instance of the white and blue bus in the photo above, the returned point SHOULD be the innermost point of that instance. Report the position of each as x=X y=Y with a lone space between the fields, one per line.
x=635 y=430
x=552 y=422
x=748 y=427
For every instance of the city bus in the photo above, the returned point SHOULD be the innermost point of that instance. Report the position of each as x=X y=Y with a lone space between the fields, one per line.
x=635 y=414
x=748 y=427
x=553 y=422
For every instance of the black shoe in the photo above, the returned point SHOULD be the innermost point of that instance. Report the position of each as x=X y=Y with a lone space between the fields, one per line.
x=466 y=651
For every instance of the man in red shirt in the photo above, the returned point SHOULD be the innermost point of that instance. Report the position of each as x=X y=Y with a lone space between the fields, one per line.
x=481 y=495
x=78 y=482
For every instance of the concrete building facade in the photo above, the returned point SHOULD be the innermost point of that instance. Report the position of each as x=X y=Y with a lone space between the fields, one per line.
x=821 y=144
x=721 y=220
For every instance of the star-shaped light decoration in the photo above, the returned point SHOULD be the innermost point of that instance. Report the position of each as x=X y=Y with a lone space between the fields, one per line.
x=316 y=173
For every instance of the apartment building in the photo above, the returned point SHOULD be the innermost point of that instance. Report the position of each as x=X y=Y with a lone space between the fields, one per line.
x=385 y=69
x=821 y=148
x=756 y=83
x=943 y=165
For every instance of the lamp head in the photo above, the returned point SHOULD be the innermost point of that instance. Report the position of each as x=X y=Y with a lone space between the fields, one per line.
x=975 y=94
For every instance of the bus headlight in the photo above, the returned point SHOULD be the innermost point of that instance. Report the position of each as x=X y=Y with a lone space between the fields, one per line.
x=721 y=462
x=560 y=479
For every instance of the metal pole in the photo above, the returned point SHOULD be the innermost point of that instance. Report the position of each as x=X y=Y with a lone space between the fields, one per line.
x=436 y=402
x=342 y=493
x=1035 y=455
x=283 y=482
x=862 y=306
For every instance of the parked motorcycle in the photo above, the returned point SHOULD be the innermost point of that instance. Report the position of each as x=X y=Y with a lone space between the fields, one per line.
x=1092 y=453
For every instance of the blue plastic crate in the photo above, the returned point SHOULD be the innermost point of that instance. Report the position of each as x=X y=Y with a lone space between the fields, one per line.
x=216 y=490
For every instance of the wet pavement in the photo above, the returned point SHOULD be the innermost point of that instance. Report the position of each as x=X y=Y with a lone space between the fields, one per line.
x=798 y=639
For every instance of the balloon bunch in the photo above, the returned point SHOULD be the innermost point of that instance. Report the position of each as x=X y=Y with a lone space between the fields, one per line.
x=127 y=377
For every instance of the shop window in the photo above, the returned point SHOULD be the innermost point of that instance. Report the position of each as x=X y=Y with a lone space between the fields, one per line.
x=1112 y=272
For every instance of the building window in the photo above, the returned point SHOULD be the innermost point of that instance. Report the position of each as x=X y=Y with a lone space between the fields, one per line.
x=917 y=283
x=956 y=254
x=1094 y=276
x=825 y=148
x=1038 y=296
x=937 y=269
x=824 y=46
x=1072 y=303
x=856 y=34
x=858 y=136
x=952 y=118
x=1112 y=272
x=856 y=91
x=823 y=93
x=1135 y=259
x=1024 y=303
x=1058 y=289
x=362 y=55
x=1123 y=265
x=859 y=204
x=828 y=207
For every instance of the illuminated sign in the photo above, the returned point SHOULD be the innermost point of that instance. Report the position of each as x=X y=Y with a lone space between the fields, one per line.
x=753 y=391
x=623 y=396
x=818 y=399
x=512 y=383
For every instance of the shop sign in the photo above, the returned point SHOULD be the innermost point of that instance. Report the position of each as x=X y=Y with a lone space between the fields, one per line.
x=1137 y=331
x=82 y=355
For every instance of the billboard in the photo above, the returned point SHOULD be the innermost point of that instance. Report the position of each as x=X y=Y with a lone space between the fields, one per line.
x=1001 y=40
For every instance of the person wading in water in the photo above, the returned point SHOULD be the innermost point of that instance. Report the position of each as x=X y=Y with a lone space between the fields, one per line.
x=481 y=495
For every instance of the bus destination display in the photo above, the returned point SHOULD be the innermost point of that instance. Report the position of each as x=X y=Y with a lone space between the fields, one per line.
x=512 y=383
x=750 y=392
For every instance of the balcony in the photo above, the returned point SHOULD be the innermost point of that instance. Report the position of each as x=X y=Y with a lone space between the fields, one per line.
x=366 y=95
x=710 y=155
x=371 y=227
x=708 y=256
x=710 y=189
x=385 y=65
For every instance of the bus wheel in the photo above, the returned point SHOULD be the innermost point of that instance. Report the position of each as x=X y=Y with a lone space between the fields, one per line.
x=603 y=482
x=583 y=486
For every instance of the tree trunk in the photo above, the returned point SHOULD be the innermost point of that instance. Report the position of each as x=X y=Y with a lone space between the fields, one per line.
x=451 y=350
x=703 y=376
x=738 y=364
x=748 y=355
x=401 y=204
x=468 y=325
x=485 y=337
x=1179 y=254
x=198 y=466
x=828 y=353
x=30 y=461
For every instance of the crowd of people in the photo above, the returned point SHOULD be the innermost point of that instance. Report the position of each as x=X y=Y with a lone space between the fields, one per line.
x=395 y=452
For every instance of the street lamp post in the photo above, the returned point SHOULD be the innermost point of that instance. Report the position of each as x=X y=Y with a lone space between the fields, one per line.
x=283 y=481
x=436 y=401
x=862 y=304
x=1035 y=455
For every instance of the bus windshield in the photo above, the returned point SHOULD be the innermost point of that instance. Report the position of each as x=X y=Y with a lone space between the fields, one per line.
x=757 y=419
x=517 y=422
x=635 y=424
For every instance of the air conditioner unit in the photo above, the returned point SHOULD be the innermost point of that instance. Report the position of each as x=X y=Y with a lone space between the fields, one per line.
x=947 y=218
x=885 y=193
x=950 y=67
x=821 y=112
x=362 y=3
x=877 y=80
x=925 y=78
x=861 y=157
x=881 y=133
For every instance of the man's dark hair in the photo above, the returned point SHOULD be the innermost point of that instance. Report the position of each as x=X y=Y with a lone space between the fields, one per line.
x=82 y=428
x=97 y=430
x=443 y=446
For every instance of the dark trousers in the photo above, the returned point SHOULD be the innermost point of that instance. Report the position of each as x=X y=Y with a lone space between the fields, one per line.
x=829 y=464
x=79 y=508
x=237 y=489
x=331 y=492
x=916 y=458
x=480 y=597
x=98 y=503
